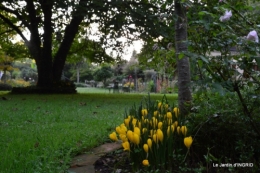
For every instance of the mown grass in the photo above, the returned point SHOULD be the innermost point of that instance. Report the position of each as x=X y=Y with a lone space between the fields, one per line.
x=41 y=133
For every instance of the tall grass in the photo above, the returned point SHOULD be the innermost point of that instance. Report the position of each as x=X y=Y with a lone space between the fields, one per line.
x=41 y=133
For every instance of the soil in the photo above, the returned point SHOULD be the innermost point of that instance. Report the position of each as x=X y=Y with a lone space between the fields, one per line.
x=113 y=162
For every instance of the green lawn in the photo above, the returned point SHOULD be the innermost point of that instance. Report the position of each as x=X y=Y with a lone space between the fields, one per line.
x=41 y=133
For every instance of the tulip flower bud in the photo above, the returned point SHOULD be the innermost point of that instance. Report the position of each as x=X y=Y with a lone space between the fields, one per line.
x=160 y=134
x=134 y=122
x=144 y=130
x=144 y=112
x=169 y=115
x=166 y=106
x=126 y=146
x=127 y=120
x=129 y=135
x=155 y=138
x=172 y=128
x=145 y=162
x=176 y=123
x=146 y=148
x=137 y=130
x=136 y=139
x=149 y=142
x=188 y=141
x=178 y=129
x=113 y=136
x=159 y=105
x=123 y=137
x=160 y=124
x=176 y=112
x=184 y=130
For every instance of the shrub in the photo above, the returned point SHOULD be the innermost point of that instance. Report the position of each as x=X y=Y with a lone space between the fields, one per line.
x=223 y=133
x=80 y=85
x=129 y=85
x=18 y=83
x=5 y=87
x=61 y=87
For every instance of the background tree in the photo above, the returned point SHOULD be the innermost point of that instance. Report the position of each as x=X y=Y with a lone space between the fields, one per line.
x=103 y=74
x=5 y=65
x=83 y=52
x=61 y=20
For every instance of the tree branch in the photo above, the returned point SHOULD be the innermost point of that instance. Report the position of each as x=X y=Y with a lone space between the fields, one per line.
x=14 y=27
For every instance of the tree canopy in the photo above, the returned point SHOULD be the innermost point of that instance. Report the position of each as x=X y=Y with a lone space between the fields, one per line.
x=48 y=22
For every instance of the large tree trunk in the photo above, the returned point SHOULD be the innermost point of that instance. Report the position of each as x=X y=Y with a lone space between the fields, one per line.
x=183 y=66
x=44 y=67
x=49 y=68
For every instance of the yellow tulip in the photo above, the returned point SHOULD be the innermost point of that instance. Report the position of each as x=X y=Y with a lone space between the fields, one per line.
x=149 y=142
x=155 y=113
x=136 y=139
x=184 y=130
x=172 y=128
x=166 y=106
x=113 y=136
x=126 y=146
x=160 y=125
x=123 y=128
x=155 y=138
x=140 y=125
x=134 y=121
x=146 y=148
x=155 y=122
x=144 y=112
x=123 y=137
x=178 y=129
x=169 y=115
x=146 y=121
x=159 y=105
x=176 y=123
x=137 y=130
x=188 y=141
x=129 y=135
x=176 y=111
x=151 y=133
x=145 y=162
x=169 y=122
x=160 y=134
x=127 y=120
x=144 y=130
x=118 y=130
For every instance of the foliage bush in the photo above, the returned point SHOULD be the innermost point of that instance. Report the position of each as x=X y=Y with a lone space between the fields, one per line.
x=226 y=105
x=129 y=85
x=61 y=87
x=223 y=134
x=5 y=87
x=18 y=83
x=80 y=84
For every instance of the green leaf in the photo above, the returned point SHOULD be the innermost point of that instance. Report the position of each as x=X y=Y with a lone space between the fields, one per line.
x=181 y=55
x=257 y=59
x=218 y=88
x=250 y=84
x=203 y=58
x=200 y=63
